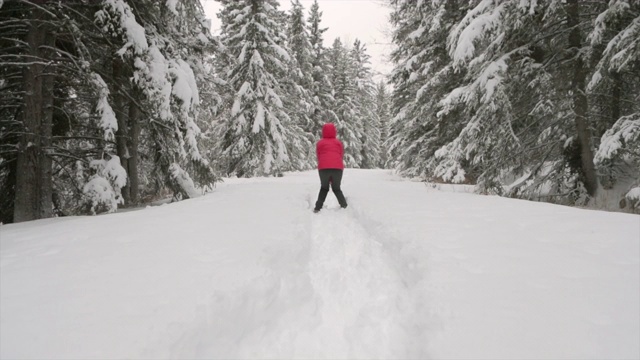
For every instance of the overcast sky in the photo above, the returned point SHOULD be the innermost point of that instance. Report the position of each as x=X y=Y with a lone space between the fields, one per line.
x=367 y=20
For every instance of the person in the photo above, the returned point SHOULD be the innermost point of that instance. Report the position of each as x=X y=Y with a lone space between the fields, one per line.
x=329 y=151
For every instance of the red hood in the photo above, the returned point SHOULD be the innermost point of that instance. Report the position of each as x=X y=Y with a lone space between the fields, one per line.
x=329 y=131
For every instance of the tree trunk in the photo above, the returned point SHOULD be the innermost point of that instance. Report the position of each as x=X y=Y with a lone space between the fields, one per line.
x=46 y=164
x=134 y=136
x=580 y=105
x=121 y=134
x=33 y=199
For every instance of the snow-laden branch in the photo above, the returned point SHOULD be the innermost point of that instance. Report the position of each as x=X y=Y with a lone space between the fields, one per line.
x=624 y=134
x=133 y=31
x=108 y=121
x=477 y=24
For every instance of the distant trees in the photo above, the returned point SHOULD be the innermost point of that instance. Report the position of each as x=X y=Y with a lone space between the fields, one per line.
x=285 y=87
x=523 y=98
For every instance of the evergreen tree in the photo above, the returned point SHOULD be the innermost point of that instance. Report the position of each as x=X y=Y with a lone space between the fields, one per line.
x=321 y=87
x=422 y=75
x=259 y=136
x=300 y=76
x=343 y=77
x=612 y=86
x=366 y=114
x=383 y=112
x=120 y=98
x=461 y=111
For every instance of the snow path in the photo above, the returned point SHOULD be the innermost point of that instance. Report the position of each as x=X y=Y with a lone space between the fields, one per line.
x=338 y=293
x=250 y=272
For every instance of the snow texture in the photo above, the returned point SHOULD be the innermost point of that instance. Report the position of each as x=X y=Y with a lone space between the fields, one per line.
x=249 y=271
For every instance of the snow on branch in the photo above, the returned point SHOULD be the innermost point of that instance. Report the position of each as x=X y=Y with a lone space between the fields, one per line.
x=133 y=31
x=626 y=46
x=184 y=87
x=184 y=182
x=634 y=196
x=477 y=24
x=153 y=75
x=258 y=122
x=486 y=83
x=615 y=9
x=623 y=49
x=281 y=52
x=448 y=168
x=528 y=6
x=172 y=5
x=103 y=190
x=624 y=134
x=108 y=121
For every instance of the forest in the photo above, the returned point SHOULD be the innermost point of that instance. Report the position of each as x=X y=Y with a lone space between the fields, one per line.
x=118 y=103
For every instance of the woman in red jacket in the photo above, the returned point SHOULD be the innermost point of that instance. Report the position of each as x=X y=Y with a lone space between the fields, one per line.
x=329 y=151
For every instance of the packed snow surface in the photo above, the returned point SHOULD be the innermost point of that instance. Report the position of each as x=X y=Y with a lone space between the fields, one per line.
x=248 y=271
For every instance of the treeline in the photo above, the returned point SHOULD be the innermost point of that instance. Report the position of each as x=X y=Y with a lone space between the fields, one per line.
x=115 y=103
x=528 y=99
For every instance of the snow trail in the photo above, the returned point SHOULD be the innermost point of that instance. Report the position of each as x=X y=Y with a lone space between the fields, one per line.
x=250 y=271
x=337 y=293
x=365 y=306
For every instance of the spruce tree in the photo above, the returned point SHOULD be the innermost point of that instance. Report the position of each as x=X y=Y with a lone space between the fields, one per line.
x=366 y=114
x=383 y=112
x=343 y=77
x=321 y=87
x=118 y=119
x=259 y=137
x=299 y=78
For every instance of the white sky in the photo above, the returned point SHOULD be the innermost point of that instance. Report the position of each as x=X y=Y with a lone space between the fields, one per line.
x=367 y=20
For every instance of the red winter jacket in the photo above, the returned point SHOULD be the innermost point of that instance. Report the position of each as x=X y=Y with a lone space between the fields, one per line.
x=329 y=149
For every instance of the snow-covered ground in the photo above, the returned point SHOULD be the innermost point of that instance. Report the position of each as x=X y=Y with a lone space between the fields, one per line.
x=249 y=271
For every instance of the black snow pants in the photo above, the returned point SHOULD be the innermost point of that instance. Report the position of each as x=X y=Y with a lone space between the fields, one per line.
x=333 y=177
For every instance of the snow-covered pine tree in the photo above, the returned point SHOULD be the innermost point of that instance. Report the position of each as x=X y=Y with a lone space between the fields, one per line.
x=343 y=78
x=259 y=136
x=483 y=45
x=366 y=114
x=508 y=46
x=300 y=77
x=53 y=92
x=461 y=113
x=383 y=112
x=422 y=74
x=321 y=88
x=162 y=45
x=118 y=72
x=615 y=84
